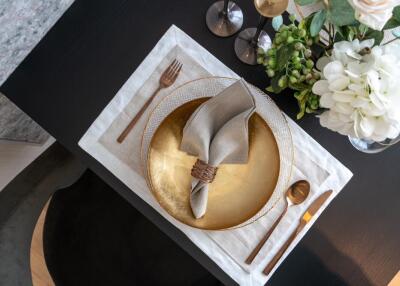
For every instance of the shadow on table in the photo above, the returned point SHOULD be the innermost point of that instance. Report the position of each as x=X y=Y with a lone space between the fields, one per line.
x=331 y=267
x=92 y=236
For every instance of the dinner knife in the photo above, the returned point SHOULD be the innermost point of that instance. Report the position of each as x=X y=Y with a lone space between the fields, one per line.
x=307 y=215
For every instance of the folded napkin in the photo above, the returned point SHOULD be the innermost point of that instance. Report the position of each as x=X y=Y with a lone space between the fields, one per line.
x=216 y=133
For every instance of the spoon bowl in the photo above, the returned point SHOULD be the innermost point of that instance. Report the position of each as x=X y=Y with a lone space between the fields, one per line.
x=298 y=192
x=295 y=194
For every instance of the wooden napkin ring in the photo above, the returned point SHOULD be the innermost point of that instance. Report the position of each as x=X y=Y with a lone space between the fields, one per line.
x=203 y=171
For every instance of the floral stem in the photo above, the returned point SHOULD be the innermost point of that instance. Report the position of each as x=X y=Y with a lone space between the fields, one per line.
x=322 y=45
x=330 y=34
x=325 y=29
x=388 y=42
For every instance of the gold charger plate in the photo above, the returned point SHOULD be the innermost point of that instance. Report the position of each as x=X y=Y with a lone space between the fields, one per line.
x=238 y=191
x=240 y=194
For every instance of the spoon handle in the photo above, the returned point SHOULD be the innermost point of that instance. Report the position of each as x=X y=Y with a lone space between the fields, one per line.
x=257 y=249
x=283 y=248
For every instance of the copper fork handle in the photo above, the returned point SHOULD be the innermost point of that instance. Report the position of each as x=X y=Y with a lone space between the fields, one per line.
x=257 y=249
x=137 y=116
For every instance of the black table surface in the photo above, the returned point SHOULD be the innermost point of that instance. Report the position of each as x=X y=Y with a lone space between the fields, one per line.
x=79 y=66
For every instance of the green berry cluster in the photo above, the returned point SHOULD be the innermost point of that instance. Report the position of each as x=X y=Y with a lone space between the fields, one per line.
x=289 y=63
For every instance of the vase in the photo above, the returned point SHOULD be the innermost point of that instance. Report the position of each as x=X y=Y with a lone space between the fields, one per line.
x=371 y=146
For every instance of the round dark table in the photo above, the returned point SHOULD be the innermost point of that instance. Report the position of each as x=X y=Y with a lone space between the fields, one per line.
x=86 y=57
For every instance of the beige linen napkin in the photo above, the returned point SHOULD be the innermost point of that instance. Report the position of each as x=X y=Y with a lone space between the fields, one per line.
x=216 y=133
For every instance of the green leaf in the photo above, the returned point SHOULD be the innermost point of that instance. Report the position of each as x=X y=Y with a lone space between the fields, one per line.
x=300 y=115
x=338 y=38
x=341 y=13
x=274 y=83
x=339 y=35
x=376 y=35
x=394 y=21
x=391 y=24
x=317 y=22
x=301 y=95
x=350 y=34
x=305 y=2
x=396 y=13
x=298 y=86
x=283 y=55
x=306 y=22
x=270 y=89
x=362 y=29
x=302 y=104
x=277 y=22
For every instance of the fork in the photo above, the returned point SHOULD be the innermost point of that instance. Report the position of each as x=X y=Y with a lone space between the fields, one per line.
x=167 y=78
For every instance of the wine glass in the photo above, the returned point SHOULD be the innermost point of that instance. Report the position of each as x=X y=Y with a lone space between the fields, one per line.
x=372 y=147
x=250 y=39
x=224 y=18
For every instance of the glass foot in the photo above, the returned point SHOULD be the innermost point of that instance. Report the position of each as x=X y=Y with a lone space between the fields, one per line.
x=224 y=25
x=370 y=146
x=245 y=50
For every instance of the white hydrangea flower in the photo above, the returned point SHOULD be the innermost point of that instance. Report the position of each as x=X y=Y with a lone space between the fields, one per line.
x=361 y=92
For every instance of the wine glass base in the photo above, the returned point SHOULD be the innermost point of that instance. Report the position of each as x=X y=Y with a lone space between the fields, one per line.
x=245 y=51
x=370 y=146
x=224 y=26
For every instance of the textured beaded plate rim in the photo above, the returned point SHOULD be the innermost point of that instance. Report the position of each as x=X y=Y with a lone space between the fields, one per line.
x=266 y=108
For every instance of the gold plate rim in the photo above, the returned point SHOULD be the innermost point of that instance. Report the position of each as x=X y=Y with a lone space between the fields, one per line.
x=145 y=167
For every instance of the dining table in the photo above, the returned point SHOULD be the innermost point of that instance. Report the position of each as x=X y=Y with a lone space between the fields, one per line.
x=78 y=67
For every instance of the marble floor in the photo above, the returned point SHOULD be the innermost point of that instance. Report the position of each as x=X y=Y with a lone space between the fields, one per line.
x=23 y=24
x=16 y=156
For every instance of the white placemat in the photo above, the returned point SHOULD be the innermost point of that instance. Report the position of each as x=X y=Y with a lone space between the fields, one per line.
x=229 y=248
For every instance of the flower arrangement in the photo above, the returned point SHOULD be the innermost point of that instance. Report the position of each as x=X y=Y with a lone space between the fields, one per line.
x=336 y=64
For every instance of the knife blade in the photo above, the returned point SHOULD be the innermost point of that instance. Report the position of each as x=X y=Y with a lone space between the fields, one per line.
x=306 y=217
x=315 y=206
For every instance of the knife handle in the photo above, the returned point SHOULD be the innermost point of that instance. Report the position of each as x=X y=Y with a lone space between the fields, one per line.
x=284 y=247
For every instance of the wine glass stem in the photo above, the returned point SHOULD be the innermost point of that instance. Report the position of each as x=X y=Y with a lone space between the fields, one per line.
x=225 y=8
x=261 y=23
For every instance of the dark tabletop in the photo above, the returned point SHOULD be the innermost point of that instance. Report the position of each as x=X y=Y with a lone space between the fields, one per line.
x=86 y=57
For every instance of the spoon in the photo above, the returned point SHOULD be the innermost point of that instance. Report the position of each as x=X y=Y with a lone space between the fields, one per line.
x=295 y=194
